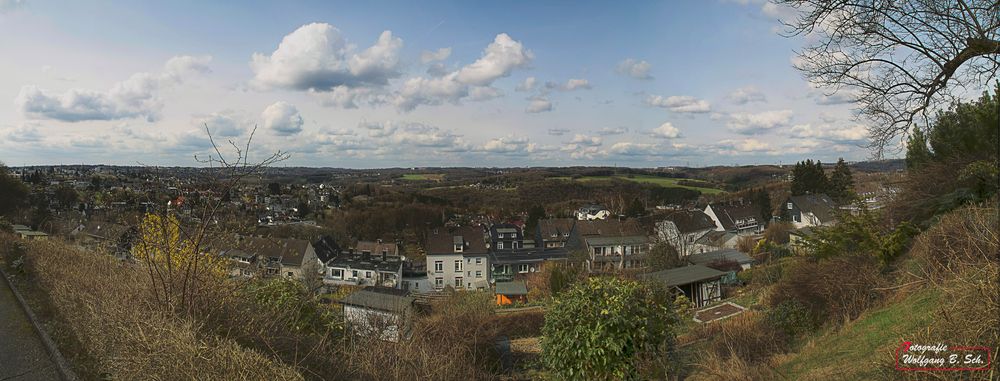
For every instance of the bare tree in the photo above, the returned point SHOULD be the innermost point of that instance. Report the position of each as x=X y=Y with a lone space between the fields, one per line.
x=899 y=60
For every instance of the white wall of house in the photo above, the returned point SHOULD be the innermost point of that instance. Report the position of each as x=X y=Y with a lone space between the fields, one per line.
x=667 y=231
x=446 y=270
x=477 y=272
x=715 y=218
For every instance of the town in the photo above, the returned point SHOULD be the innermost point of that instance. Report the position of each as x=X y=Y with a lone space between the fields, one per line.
x=454 y=190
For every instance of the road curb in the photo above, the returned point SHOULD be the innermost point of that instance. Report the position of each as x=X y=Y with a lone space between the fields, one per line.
x=50 y=346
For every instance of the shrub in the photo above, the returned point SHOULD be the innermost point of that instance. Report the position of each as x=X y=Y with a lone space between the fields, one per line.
x=791 y=318
x=747 y=336
x=836 y=288
x=608 y=328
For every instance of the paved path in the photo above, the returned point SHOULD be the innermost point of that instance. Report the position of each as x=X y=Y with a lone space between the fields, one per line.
x=22 y=355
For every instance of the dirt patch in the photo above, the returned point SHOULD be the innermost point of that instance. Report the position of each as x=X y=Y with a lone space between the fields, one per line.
x=719 y=312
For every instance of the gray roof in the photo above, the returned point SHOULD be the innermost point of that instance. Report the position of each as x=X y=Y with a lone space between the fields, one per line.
x=819 y=205
x=511 y=288
x=627 y=240
x=718 y=255
x=715 y=238
x=389 y=300
x=684 y=275
x=20 y=227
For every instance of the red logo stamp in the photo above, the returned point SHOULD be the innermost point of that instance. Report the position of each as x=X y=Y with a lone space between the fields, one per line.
x=912 y=356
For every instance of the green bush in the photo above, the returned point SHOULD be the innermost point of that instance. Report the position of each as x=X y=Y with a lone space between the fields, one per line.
x=607 y=328
x=791 y=317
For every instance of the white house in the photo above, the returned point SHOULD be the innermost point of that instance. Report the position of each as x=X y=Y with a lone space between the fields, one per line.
x=682 y=228
x=810 y=210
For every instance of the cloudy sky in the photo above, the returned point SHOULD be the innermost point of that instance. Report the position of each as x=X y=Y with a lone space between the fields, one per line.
x=378 y=84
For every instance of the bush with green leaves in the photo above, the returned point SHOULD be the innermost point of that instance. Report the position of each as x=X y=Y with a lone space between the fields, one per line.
x=791 y=317
x=609 y=328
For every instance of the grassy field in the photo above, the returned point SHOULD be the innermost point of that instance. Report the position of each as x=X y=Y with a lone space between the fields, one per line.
x=661 y=181
x=423 y=177
x=858 y=350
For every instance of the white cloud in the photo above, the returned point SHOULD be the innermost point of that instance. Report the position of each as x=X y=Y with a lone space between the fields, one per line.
x=222 y=124
x=538 y=104
x=316 y=57
x=638 y=69
x=501 y=57
x=484 y=93
x=680 y=104
x=746 y=95
x=666 y=131
x=853 y=134
x=407 y=135
x=751 y=123
x=282 y=118
x=528 y=84
x=634 y=149
x=743 y=146
x=587 y=141
x=570 y=85
x=25 y=133
x=507 y=145
x=441 y=54
x=137 y=96
x=612 y=131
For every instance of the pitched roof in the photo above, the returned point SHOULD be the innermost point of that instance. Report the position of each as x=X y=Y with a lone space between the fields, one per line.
x=443 y=241
x=555 y=227
x=291 y=251
x=382 y=299
x=511 y=288
x=689 y=221
x=819 y=205
x=715 y=238
x=728 y=214
x=615 y=228
x=626 y=240
x=720 y=255
x=684 y=275
x=377 y=247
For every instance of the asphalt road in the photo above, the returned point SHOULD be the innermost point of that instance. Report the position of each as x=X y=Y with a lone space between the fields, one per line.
x=22 y=355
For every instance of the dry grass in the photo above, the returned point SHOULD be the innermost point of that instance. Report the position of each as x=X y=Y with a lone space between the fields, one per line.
x=106 y=306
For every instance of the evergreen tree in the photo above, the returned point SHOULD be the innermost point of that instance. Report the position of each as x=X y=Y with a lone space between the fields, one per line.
x=763 y=200
x=841 y=182
x=917 y=152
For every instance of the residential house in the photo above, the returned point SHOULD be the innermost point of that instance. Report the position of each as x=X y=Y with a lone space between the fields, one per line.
x=511 y=265
x=592 y=212
x=385 y=314
x=505 y=237
x=611 y=244
x=739 y=218
x=364 y=269
x=458 y=258
x=554 y=232
x=286 y=257
x=682 y=228
x=702 y=285
x=811 y=210
x=715 y=240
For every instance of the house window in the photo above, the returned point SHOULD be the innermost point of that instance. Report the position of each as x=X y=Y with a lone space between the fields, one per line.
x=368 y=274
x=500 y=245
x=479 y=274
x=438 y=282
x=439 y=266
x=522 y=268
x=336 y=273
x=479 y=261
x=597 y=251
x=458 y=265
x=354 y=273
x=789 y=206
x=289 y=274
x=458 y=282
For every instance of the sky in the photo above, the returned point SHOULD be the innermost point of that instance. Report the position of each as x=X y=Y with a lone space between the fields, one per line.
x=413 y=84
